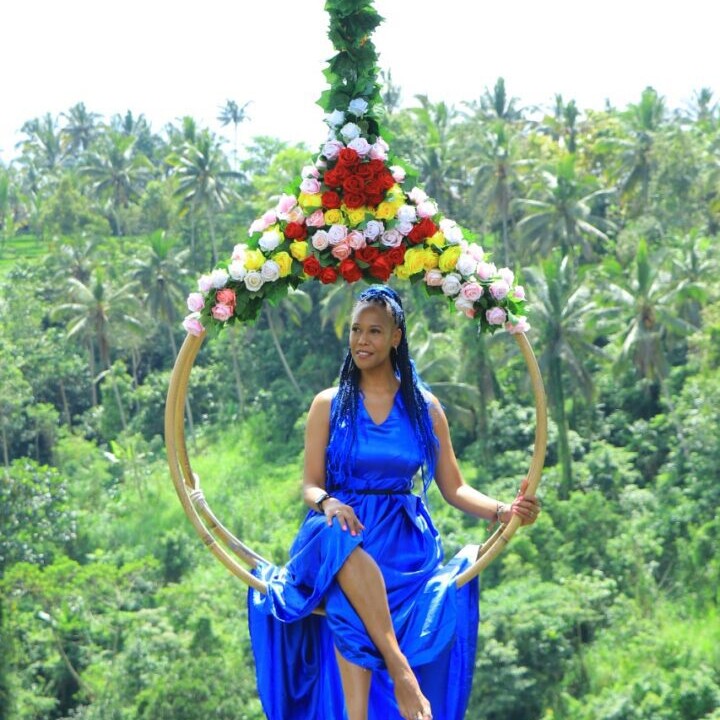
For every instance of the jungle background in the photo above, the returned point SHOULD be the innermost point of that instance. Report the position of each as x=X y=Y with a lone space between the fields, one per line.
x=112 y=609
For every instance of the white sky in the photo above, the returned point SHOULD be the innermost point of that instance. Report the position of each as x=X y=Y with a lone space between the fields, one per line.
x=167 y=58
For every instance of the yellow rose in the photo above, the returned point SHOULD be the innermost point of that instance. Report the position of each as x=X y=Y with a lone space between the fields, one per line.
x=284 y=262
x=254 y=259
x=310 y=200
x=299 y=249
x=402 y=271
x=414 y=260
x=448 y=260
x=333 y=217
x=385 y=211
x=355 y=216
x=438 y=240
x=396 y=195
x=430 y=259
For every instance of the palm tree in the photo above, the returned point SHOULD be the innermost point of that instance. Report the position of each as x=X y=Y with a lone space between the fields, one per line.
x=80 y=128
x=496 y=105
x=563 y=213
x=95 y=313
x=564 y=314
x=232 y=113
x=647 y=299
x=116 y=172
x=644 y=121
x=202 y=176
x=42 y=147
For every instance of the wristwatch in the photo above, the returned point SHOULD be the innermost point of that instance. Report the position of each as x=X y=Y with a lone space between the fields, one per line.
x=320 y=500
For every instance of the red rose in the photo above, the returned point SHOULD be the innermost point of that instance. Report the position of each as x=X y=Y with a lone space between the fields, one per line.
x=350 y=271
x=381 y=268
x=332 y=178
x=365 y=170
x=354 y=200
x=386 y=180
x=312 y=266
x=226 y=296
x=377 y=166
x=348 y=157
x=424 y=229
x=353 y=184
x=295 y=231
x=367 y=254
x=331 y=200
x=396 y=255
x=328 y=276
x=374 y=187
x=373 y=200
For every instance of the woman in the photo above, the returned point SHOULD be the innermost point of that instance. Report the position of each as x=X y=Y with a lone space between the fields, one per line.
x=402 y=634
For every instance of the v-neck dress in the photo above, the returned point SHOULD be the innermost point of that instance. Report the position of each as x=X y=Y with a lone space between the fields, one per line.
x=435 y=622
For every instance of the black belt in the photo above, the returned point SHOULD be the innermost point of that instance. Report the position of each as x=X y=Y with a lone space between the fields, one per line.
x=376 y=492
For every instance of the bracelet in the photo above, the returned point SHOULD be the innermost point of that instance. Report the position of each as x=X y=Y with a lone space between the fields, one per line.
x=320 y=500
x=499 y=510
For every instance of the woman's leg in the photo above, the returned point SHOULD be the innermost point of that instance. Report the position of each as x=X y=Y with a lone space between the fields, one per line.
x=356 y=687
x=363 y=584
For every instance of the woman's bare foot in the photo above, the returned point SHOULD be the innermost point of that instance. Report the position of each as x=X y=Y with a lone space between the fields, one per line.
x=412 y=703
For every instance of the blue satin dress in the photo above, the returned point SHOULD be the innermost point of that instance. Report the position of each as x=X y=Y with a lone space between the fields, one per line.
x=435 y=622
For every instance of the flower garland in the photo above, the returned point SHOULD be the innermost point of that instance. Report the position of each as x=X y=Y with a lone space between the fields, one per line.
x=355 y=214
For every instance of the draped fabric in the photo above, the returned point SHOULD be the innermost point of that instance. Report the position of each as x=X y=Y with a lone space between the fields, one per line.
x=435 y=622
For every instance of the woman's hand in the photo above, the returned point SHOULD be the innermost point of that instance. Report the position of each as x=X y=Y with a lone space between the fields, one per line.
x=345 y=515
x=526 y=508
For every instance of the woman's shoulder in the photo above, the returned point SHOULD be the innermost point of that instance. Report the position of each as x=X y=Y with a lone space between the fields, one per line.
x=322 y=402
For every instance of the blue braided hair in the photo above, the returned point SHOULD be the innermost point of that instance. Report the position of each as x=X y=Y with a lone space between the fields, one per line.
x=344 y=408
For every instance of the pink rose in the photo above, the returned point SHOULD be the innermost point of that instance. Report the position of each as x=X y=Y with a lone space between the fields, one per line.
x=310 y=186
x=317 y=219
x=518 y=292
x=193 y=325
x=465 y=305
x=496 y=316
x=309 y=171
x=332 y=148
x=360 y=145
x=373 y=229
x=521 y=326
x=507 y=275
x=342 y=251
x=433 y=278
x=471 y=291
x=486 y=270
x=269 y=217
x=417 y=195
x=499 y=289
x=320 y=240
x=296 y=215
x=195 y=302
x=398 y=173
x=337 y=233
x=427 y=208
x=205 y=283
x=222 y=312
x=356 y=240
x=226 y=297
x=286 y=204
x=256 y=226
x=404 y=228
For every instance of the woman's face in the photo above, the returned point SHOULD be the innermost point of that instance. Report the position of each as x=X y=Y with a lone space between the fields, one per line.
x=372 y=336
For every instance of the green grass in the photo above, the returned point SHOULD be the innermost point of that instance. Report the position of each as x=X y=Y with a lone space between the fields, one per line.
x=22 y=247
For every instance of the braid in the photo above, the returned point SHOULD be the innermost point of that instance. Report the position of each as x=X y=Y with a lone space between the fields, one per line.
x=344 y=409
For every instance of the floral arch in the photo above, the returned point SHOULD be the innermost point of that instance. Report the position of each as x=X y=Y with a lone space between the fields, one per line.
x=356 y=214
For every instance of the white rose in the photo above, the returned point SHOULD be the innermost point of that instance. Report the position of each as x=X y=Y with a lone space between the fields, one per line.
x=462 y=303
x=427 y=208
x=357 y=107
x=337 y=233
x=219 y=278
x=417 y=195
x=486 y=270
x=237 y=269
x=254 y=281
x=270 y=271
x=398 y=173
x=404 y=227
x=309 y=171
x=269 y=240
x=335 y=118
x=507 y=275
x=331 y=149
x=239 y=251
x=350 y=131
x=373 y=229
x=434 y=278
x=466 y=264
x=476 y=251
x=360 y=145
x=451 y=284
x=406 y=213
x=391 y=238
x=205 y=283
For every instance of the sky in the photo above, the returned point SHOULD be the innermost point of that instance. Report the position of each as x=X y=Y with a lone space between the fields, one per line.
x=166 y=59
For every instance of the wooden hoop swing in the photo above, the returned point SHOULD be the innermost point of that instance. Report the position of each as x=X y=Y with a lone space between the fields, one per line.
x=231 y=551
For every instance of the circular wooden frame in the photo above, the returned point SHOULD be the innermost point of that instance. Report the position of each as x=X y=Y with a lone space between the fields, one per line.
x=231 y=551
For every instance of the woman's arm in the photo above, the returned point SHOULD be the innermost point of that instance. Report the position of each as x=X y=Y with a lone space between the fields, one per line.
x=461 y=495
x=317 y=435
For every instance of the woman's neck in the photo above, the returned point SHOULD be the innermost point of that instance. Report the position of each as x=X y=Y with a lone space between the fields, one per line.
x=379 y=381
